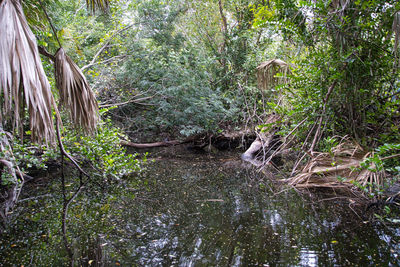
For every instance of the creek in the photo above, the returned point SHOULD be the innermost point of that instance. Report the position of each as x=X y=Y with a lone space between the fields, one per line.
x=202 y=210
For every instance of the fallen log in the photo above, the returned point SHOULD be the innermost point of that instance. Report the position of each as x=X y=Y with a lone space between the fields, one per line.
x=156 y=144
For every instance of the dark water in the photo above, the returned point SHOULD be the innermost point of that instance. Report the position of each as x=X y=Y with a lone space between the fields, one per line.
x=200 y=212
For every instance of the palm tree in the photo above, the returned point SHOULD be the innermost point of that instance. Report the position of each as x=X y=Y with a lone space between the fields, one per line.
x=24 y=86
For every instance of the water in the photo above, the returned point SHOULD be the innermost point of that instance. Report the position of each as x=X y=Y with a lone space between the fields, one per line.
x=202 y=211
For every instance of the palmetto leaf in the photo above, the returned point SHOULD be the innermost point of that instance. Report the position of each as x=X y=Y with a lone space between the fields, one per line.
x=94 y=5
x=75 y=92
x=22 y=78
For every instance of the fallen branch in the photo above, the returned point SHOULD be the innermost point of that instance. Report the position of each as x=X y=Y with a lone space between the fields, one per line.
x=285 y=142
x=150 y=145
x=161 y=144
x=34 y=198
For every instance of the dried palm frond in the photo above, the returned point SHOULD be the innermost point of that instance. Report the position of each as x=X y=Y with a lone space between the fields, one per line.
x=267 y=71
x=396 y=30
x=22 y=76
x=75 y=93
x=324 y=169
x=93 y=5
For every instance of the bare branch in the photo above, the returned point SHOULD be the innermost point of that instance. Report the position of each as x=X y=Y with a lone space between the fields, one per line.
x=98 y=53
x=103 y=62
x=135 y=100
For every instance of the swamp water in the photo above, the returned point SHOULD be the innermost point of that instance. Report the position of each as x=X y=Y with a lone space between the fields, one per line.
x=202 y=211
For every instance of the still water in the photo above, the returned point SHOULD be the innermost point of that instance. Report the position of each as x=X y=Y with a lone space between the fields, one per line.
x=202 y=211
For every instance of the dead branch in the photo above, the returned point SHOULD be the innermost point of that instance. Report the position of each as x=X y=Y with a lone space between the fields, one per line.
x=285 y=142
x=150 y=145
x=134 y=100
x=104 y=61
x=391 y=157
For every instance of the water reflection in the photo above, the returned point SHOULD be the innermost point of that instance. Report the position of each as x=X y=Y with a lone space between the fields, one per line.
x=201 y=213
x=308 y=257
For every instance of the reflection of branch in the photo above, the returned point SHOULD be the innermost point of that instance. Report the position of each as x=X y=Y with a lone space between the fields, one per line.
x=67 y=202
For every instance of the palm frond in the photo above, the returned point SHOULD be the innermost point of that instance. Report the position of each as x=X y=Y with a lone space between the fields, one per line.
x=75 y=93
x=94 y=5
x=22 y=76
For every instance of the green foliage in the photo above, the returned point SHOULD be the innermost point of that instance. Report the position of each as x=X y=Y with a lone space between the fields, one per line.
x=177 y=78
x=386 y=214
x=29 y=155
x=386 y=158
x=173 y=52
x=6 y=179
x=345 y=46
x=329 y=143
x=183 y=99
x=103 y=152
